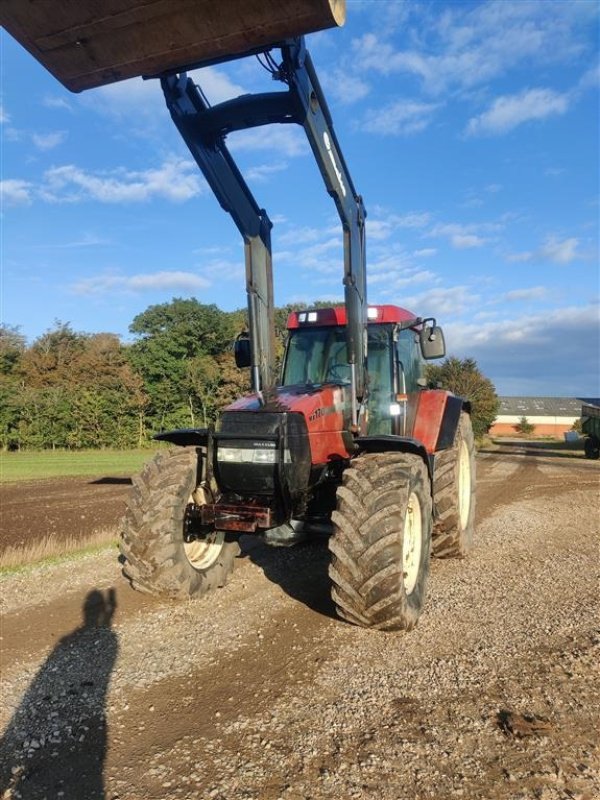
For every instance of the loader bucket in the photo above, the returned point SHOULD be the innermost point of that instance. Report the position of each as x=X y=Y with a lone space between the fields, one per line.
x=86 y=43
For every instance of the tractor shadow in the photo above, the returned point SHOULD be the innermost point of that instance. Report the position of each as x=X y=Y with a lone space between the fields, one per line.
x=301 y=571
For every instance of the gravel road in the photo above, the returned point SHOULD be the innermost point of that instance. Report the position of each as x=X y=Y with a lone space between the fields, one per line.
x=260 y=692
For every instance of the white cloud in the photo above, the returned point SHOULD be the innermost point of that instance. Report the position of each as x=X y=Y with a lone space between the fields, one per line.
x=443 y=301
x=139 y=97
x=464 y=241
x=15 y=192
x=426 y=252
x=142 y=282
x=383 y=225
x=345 y=87
x=306 y=235
x=590 y=79
x=86 y=240
x=225 y=269
x=52 y=101
x=175 y=180
x=559 y=251
x=279 y=140
x=401 y=118
x=464 y=237
x=4 y=116
x=313 y=250
x=262 y=172
x=48 y=141
x=467 y=45
x=554 y=172
x=533 y=293
x=392 y=282
x=216 y=85
x=510 y=111
x=549 y=353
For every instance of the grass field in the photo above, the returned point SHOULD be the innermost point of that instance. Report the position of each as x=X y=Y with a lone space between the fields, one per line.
x=28 y=466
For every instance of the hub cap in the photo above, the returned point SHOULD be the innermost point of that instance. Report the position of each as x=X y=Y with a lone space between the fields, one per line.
x=411 y=543
x=464 y=484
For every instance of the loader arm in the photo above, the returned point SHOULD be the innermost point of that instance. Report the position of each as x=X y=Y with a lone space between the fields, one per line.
x=204 y=128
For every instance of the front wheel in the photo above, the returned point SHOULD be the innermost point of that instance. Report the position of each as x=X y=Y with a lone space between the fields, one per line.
x=164 y=549
x=381 y=541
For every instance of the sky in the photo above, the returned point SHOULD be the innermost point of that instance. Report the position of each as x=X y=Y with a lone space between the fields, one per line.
x=469 y=128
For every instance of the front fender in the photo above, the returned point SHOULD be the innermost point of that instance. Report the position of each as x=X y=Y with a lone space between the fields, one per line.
x=385 y=443
x=184 y=437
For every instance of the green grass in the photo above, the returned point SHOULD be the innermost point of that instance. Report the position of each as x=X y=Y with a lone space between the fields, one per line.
x=27 y=466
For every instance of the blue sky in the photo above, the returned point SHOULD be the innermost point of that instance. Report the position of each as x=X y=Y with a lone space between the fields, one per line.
x=470 y=129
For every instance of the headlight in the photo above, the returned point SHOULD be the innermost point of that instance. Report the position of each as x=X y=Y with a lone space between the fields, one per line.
x=248 y=455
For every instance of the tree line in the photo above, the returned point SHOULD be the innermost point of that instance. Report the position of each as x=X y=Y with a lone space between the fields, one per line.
x=80 y=390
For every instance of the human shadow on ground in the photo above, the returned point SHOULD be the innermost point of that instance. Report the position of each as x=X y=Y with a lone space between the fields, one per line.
x=301 y=571
x=55 y=744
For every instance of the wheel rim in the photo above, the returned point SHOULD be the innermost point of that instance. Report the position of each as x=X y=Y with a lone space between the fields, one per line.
x=204 y=550
x=202 y=553
x=464 y=485
x=411 y=543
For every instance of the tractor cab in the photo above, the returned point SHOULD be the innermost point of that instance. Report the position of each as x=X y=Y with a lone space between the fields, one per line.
x=316 y=355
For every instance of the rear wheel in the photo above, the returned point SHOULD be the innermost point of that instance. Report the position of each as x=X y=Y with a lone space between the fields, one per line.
x=164 y=549
x=454 y=484
x=591 y=447
x=381 y=541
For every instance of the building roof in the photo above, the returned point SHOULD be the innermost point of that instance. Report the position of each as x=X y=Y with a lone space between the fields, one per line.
x=545 y=406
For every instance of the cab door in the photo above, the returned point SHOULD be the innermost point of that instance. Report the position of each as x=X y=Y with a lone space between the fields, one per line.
x=408 y=372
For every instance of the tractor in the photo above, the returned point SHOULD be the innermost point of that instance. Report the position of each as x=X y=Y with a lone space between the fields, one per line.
x=347 y=437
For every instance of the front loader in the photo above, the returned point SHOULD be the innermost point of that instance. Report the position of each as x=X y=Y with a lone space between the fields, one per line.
x=348 y=438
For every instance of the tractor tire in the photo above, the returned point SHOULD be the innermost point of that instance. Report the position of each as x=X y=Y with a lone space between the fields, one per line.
x=454 y=485
x=156 y=557
x=591 y=447
x=381 y=541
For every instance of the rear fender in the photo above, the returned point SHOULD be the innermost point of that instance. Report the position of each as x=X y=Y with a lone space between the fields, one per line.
x=437 y=418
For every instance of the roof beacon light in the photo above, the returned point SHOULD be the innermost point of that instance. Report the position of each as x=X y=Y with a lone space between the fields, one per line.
x=372 y=313
x=312 y=316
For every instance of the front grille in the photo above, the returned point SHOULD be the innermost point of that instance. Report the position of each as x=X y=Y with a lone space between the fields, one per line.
x=286 y=475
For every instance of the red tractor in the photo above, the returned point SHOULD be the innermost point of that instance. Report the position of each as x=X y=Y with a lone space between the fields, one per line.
x=287 y=462
x=349 y=436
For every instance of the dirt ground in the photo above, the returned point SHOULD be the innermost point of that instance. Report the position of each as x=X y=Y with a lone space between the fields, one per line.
x=59 y=507
x=259 y=691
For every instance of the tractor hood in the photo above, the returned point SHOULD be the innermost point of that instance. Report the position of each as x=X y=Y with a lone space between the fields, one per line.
x=326 y=410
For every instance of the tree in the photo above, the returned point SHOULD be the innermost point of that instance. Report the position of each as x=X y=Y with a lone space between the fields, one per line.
x=524 y=426
x=177 y=354
x=463 y=378
x=76 y=390
x=12 y=347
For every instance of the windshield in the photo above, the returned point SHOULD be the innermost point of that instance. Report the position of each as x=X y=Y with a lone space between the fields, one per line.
x=317 y=355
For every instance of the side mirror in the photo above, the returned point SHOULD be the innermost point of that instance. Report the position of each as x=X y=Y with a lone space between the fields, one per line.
x=432 y=343
x=242 y=352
